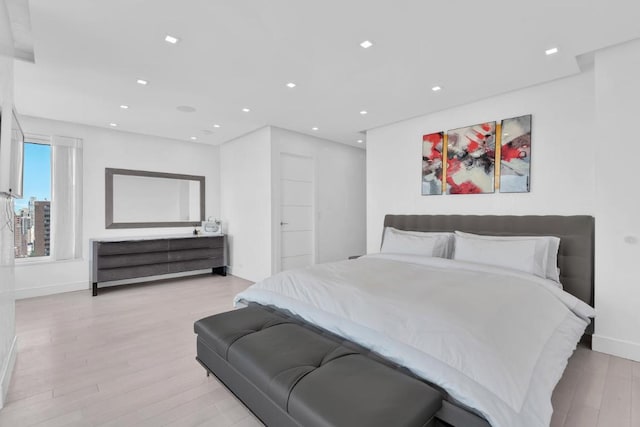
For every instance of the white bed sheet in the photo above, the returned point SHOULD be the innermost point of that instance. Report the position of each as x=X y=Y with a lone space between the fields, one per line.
x=497 y=340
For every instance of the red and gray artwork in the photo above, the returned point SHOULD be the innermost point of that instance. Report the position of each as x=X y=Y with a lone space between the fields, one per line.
x=515 y=155
x=471 y=159
x=432 y=145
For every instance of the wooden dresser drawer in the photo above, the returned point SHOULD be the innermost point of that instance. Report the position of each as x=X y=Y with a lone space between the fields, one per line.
x=132 y=247
x=193 y=254
x=197 y=242
x=110 y=274
x=130 y=260
x=199 y=264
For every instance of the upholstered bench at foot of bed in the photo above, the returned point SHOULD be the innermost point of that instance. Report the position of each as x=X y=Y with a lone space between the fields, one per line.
x=290 y=374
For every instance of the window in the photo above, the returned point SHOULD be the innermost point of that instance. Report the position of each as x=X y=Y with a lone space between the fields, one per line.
x=32 y=216
x=52 y=170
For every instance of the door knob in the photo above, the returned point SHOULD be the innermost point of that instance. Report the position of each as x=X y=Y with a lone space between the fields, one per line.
x=283 y=223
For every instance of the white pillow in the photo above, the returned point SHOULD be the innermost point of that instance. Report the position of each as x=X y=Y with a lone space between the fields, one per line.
x=417 y=243
x=512 y=254
x=546 y=254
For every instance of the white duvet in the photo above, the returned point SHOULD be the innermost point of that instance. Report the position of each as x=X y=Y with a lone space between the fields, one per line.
x=495 y=339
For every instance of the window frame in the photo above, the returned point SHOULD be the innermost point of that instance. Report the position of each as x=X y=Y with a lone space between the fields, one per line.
x=30 y=138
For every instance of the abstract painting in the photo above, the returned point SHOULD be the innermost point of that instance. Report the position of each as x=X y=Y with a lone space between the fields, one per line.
x=432 y=145
x=515 y=155
x=471 y=153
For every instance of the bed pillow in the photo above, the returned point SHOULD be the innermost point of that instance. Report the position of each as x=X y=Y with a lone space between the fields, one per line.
x=546 y=254
x=512 y=254
x=417 y=243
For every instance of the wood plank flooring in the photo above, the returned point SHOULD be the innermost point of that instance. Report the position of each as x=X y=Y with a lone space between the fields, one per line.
x=123 y=358
x=126 y=358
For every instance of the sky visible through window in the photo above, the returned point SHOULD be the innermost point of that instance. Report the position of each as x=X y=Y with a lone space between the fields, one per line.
x=37 y=174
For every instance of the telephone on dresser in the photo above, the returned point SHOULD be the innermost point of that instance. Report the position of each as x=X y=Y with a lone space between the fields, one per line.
x=210 y=227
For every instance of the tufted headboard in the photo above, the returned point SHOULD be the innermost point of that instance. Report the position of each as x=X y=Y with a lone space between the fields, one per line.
x=576 y=233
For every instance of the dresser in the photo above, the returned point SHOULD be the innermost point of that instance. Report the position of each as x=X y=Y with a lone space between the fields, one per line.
x=131 y=258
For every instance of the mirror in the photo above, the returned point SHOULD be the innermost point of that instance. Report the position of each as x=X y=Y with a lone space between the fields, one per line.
x=140 y=199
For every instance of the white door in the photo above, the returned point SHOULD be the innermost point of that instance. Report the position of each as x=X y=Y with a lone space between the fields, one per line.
x=296 y=211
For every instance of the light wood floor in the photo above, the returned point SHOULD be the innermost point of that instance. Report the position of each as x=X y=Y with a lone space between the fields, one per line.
x=126 y=358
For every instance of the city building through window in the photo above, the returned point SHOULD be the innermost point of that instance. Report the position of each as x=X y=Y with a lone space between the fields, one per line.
x=32 y=216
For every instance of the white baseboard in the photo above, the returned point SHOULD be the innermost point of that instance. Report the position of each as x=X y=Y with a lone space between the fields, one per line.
x=85 y=285
x=621 y=348
x=51 y=289
x=7 y=371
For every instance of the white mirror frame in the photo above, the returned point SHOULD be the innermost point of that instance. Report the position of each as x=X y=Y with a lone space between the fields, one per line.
x=109 y=222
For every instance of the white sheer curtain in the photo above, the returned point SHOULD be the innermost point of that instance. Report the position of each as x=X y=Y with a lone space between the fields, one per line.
x=66 y=197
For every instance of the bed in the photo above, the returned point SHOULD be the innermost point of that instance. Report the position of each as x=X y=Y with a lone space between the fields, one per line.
x=493 y=341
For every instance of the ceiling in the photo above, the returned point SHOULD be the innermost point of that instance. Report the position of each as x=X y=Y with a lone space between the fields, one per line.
x=242 y=53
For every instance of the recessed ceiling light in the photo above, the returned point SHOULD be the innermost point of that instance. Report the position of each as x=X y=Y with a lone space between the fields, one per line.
x=360 y=141
x=193 y=138
x=171 y=39
x=216 y=126
x=551 y=51
x=246 y=110
x=186 y=108
x=363 y=112
x=314 y=128
x=142 y=82
x=124 y=107
x=291 y=85
x=366 y=44
x=113 y=125
x=436 y=88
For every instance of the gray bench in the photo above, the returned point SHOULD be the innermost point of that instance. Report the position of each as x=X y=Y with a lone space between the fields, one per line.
x=289 y=373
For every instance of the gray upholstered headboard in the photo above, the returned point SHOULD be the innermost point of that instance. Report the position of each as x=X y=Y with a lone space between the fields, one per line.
x=575 y=257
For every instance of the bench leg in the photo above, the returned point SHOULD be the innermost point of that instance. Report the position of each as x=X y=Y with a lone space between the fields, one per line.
x=95 y=289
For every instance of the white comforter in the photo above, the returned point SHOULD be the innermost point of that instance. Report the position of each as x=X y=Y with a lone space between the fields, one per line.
x=496 y=340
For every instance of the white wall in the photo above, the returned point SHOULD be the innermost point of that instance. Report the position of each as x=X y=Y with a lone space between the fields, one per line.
x=583 y=153
x=239 y=191
x=7 y=298
x=104 y=148
x=6 y=96
x=340 y=193
x=249 y=176
x=562 y=169
x=245 y=177
x=617 y=200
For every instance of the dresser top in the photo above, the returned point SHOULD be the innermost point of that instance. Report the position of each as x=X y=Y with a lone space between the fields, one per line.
x=156 y=237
